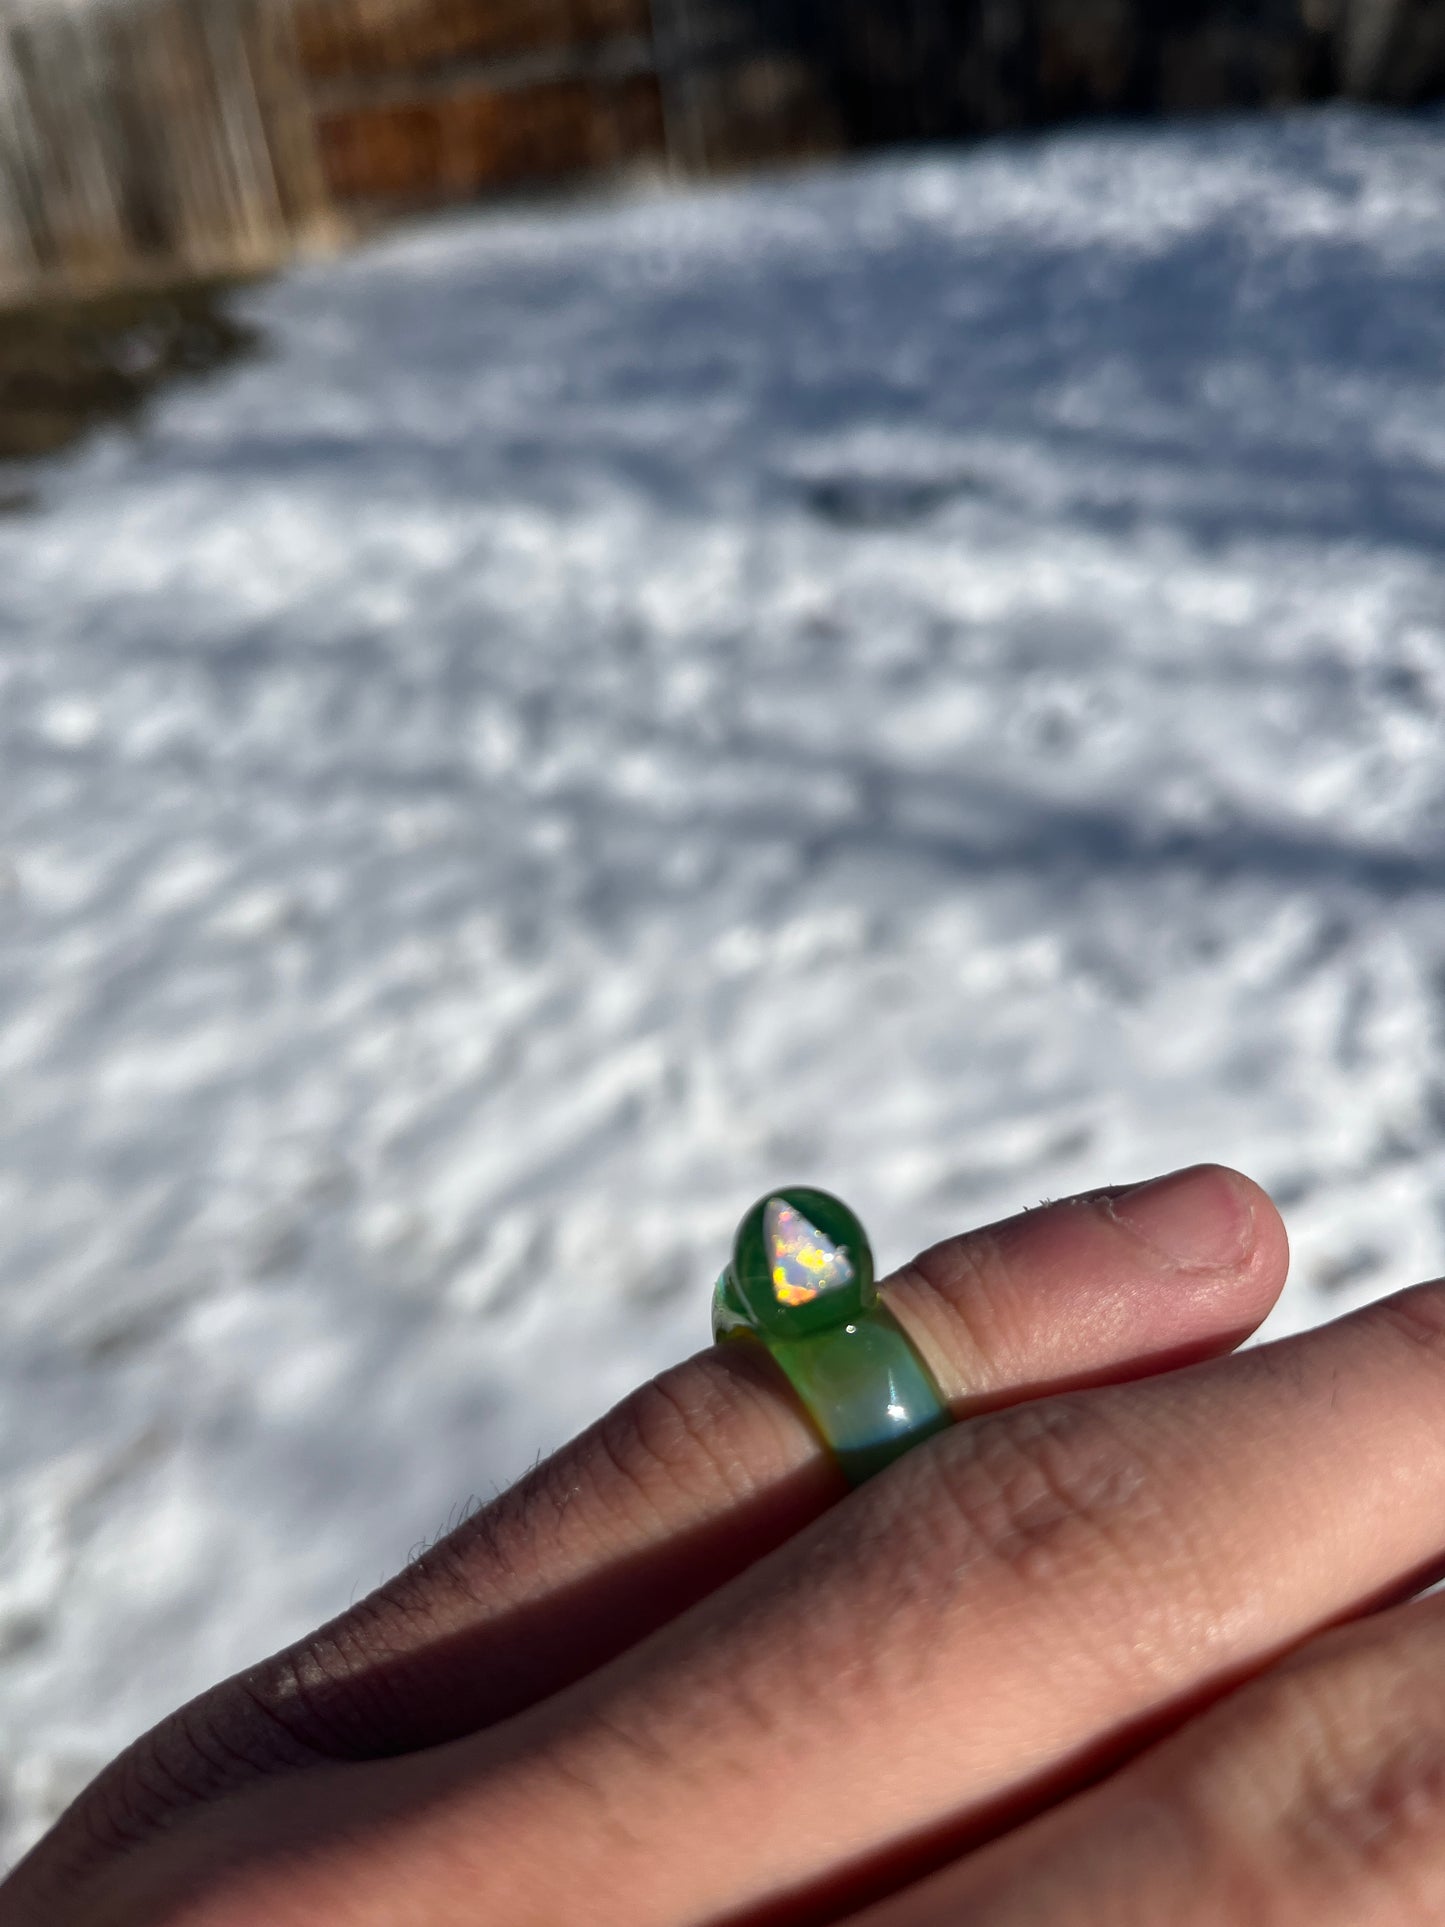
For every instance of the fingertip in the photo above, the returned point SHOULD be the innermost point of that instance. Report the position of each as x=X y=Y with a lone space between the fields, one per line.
x=1207 y=1219
x=1219 y=1248
x=1268 y=1263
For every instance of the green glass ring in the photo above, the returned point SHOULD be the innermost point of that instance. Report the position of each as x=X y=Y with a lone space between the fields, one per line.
x=800 y=1282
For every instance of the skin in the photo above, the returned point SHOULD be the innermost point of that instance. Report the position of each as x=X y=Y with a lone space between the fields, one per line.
x=1127 y=1646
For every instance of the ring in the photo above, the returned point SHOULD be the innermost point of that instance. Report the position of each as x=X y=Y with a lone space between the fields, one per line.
x=800 y=1282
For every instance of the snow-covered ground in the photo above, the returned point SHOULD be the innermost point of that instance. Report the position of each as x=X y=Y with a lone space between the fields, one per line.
x=926 y=677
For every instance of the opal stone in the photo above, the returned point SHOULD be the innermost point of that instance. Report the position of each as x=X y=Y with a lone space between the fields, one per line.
x=804 y=1262
x=801 y=1263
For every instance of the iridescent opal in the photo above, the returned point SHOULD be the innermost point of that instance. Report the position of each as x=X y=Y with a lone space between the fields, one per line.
x=801 y=1262
x=804 y=1261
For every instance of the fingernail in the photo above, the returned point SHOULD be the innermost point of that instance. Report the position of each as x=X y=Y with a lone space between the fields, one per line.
x=1201 y=1218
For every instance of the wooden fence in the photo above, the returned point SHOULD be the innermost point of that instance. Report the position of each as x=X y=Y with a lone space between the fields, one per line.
x=161 y=136
x=157 y=138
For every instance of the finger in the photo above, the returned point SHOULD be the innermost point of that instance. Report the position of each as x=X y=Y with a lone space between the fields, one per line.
x=998 y=1614
x=1312 y=1797
x=700 y=1473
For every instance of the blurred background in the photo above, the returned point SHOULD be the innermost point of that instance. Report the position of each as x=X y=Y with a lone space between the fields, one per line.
x=603 y=604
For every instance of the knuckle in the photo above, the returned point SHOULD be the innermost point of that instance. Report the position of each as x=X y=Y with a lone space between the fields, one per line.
x=710 y=1427
x=1048 y=1492
x=1380 y=1816
x=960 y=1293
x=1371 y=1790
x=319 y=1700
x=1046 y=1513
x=678 y=1439
x=1335 y=1767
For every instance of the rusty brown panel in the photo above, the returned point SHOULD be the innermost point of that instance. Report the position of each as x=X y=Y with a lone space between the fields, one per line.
x=455 y=146
x=368 y=37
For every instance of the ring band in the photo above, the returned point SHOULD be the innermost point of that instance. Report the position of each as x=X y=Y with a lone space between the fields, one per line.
x=800 y=1282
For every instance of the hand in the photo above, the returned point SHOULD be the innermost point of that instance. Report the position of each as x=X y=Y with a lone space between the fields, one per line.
x=678 y=1676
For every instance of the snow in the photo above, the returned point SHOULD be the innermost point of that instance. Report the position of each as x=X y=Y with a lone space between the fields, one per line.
x=924 y=677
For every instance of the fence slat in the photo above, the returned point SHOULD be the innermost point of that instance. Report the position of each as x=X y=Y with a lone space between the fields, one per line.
x=144 y=138
x=154 y=138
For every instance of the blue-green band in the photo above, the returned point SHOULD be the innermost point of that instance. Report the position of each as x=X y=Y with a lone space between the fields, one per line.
x=862 y=1383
